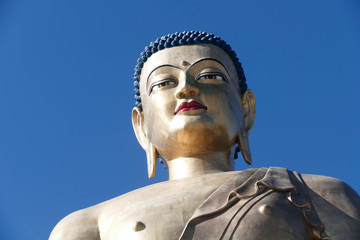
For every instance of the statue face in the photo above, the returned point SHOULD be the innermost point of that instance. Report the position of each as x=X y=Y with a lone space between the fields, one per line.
x=191 y=101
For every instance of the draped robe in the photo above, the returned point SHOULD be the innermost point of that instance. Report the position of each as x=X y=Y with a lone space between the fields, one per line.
x=264 y=203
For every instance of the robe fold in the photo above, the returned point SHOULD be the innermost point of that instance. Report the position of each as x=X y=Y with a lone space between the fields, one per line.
x=264 y=203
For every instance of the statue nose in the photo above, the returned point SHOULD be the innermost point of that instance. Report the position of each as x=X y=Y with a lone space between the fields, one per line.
x=187 y=91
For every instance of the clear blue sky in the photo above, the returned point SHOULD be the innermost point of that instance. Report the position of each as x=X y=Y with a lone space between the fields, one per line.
x=66 y=93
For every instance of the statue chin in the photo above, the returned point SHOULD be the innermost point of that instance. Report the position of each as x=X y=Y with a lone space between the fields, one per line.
x=195 y=139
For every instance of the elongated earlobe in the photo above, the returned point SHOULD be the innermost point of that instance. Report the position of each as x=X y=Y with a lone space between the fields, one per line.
x=151 y=156
x=151 y=152
x=243 y=142
x=249 y=110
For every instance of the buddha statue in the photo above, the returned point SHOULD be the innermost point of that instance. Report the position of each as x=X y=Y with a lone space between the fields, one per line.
x=194 y=112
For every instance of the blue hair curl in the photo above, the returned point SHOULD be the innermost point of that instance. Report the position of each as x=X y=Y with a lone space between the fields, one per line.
x=181 y=39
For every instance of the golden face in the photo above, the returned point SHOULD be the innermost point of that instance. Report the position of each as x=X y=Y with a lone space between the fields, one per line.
x=191 y=101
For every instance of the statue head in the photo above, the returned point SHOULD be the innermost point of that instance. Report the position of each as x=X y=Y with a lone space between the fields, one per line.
x=191 y=98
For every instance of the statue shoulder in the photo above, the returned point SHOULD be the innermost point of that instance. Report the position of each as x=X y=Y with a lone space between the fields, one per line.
x=337 y=205
x=334 y=191
x=81 y=224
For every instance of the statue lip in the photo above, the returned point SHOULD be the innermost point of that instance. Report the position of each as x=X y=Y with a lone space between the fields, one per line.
x=187 y=106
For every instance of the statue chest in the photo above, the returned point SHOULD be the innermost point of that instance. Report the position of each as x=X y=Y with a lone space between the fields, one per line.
x=149 y=218
x=270 y=204
x=270 y=217
x=158 y=211
x=264 y=217
x=247 y=208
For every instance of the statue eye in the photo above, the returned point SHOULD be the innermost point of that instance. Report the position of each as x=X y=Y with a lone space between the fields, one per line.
x=161 y=84
x=206 y=77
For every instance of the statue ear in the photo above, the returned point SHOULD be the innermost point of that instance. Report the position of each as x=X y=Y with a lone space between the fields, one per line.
x=249 y=108
x=137 y=117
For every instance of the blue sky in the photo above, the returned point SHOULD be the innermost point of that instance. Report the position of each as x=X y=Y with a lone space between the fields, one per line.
x=66 y=94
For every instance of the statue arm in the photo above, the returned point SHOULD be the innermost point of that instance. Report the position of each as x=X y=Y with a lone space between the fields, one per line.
x=80 y=225
x=337 y=204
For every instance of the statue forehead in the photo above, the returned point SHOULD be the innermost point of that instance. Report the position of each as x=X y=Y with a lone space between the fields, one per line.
x=191 y=54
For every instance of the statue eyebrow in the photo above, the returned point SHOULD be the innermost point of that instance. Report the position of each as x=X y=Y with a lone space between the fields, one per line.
x=165 y=65
x=212 y=59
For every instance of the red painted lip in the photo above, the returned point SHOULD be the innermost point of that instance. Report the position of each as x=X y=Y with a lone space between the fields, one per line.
x=187 y=106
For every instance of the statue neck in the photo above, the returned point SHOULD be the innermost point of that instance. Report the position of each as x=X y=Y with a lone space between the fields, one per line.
x=199 y=164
